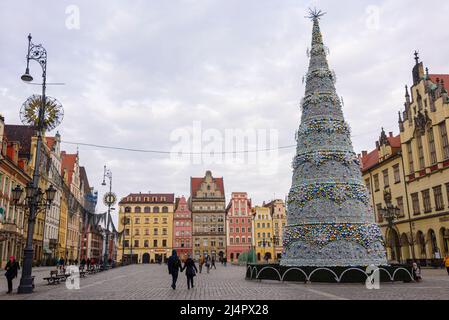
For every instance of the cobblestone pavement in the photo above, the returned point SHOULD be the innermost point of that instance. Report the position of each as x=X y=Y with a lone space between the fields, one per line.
x=153 y=282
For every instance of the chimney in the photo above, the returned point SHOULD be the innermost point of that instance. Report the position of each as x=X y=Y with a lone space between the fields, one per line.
x=391 y=134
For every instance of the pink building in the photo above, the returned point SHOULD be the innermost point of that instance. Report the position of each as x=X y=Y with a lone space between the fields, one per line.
x=182 y=228
x=238 y=226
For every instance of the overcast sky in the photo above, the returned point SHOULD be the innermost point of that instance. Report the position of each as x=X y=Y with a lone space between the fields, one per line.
x=138 y=73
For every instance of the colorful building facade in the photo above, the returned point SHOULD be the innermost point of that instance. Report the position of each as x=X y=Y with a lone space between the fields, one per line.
x=279 y=216
x=207 y=203
x=182 y=228
x=263 y=234
x=148 y=233
x=239 y=224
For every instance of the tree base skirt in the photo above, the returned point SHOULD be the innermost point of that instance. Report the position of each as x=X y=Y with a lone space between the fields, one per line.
x=388 y=273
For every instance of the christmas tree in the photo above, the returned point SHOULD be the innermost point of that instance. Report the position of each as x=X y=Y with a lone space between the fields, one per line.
x=329 y=219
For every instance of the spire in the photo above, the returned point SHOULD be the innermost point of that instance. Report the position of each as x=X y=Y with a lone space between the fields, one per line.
x=416 y=56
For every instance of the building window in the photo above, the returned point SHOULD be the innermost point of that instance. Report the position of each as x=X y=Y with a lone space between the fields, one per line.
x=147 y=210
x=376 y=182
x=410 y=158
x=400 y=202
x=164 y=209
x=126 y=243
x=386 y=178
x=426 y=201
x=220 y=229
x=368 y=186
x=136 y=243
x=439 y=202
x=447 y=191
x=420 y=153
x=155 y=231
x=444 y=140
x=415 y=203
x=136 y=232
x=231 y=240
x=380 y=218
x=156 y=210
x=137 y=221
x=164 y=243
x=432 y=149
x=164 y=232
x=137 y=210
x=396 y=173
x=155 y=243
x=146 y=243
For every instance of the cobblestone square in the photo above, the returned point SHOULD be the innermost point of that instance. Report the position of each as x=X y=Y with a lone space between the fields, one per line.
x=152 y=282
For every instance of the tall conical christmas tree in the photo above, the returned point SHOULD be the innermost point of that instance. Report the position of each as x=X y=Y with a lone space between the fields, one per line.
x=329 y=219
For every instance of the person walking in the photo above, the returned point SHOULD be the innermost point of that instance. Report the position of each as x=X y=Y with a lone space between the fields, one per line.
x=191 y=271
x=225 y=260
x=207 y=262
x=213 y=263
x=446 y=264
x=11 y=268
x=174 y=265
x=201 y=262
x=417 y=272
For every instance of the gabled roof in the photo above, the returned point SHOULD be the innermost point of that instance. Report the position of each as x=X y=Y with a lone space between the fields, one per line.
x=195 y=184
x=50 y=142
x=22 y=134
x=372 y=158
x=68 y=163
x=444 y=77
x=84 y=180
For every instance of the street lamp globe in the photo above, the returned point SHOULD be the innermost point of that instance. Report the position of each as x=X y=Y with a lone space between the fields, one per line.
x=29 y=190
x=27 y=77
x=50 y=193
x=17 y=193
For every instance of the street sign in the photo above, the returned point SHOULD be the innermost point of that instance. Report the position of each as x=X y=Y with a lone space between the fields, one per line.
x=109 y=199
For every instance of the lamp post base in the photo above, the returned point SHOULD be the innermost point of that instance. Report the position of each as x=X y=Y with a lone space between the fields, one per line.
x=26 y=286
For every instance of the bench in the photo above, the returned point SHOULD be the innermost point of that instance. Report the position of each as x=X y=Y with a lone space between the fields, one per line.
x=55 y=277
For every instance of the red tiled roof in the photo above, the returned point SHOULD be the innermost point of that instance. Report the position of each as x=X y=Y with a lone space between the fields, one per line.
x=372 y=158
x=21 y=134
x=169 y=198
x=68 y=163
x=195 y=184
x=444 y=77
x=50 y=142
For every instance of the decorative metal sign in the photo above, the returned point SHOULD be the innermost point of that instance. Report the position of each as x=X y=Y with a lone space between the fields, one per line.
x=109 y=199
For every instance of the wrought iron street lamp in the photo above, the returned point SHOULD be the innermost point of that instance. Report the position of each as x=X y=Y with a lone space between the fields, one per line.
x=109 y=199
x=41 y=121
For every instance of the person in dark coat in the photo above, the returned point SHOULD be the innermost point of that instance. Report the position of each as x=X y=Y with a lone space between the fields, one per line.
x=191 y=271
x=12 y=267
x=174 y=265
x=213 y=263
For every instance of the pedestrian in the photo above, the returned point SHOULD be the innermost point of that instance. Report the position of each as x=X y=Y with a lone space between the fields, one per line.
x=76 y=262
x=191 y=271
x=174 y=265
x=11 y=272
x=225 y=260
x=213 y=263
x=83 y=263
x=201 y=262
x=446 y=263
x=87 y=264
x=207 y=261
x=416 y=272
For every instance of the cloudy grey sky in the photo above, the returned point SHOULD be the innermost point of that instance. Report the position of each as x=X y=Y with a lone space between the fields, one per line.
x=137 y=71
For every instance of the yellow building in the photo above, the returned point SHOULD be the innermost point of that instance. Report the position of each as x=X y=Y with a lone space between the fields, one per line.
x=422 y=230
x=278 y=213
x=263 y=233
x=149 y=227
x=62 y=232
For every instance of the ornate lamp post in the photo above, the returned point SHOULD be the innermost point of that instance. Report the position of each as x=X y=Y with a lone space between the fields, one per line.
x=390 y=213
x=109 y=200
x=37 y=201
x=43 y=116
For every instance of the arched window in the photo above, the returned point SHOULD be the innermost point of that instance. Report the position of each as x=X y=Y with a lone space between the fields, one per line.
x=147 y=209
x=156 y=210
x=164 y=209
x=128 y=209
x=137 y=210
